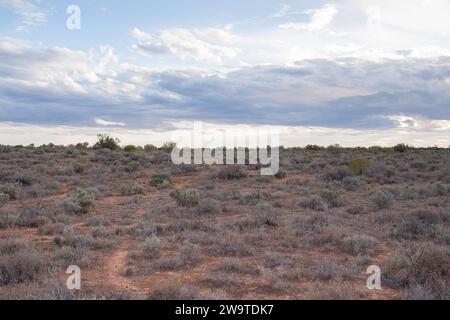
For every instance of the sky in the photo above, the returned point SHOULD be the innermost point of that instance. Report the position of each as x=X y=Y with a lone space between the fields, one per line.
x=349 y=72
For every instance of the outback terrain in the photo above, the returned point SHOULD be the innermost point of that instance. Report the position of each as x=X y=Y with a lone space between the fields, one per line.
x=140 y=227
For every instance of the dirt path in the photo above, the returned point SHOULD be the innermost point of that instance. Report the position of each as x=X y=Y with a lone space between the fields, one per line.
x=115 y=272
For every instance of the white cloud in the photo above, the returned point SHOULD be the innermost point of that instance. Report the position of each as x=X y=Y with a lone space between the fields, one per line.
x=109 y=123
x=282 y=12
x=29 y=11
x=320 y=19
x=196 y=44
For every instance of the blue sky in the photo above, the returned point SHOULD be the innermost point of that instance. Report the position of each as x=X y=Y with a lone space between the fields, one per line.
x=355 y=72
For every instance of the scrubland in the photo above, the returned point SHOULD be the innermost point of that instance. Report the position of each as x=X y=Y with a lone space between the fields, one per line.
x=140 y=227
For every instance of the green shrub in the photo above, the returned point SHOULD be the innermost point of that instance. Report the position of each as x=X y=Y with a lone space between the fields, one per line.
x=79 y=202
x=359 y=166
x=131 y=189
x=131 y=148
x=186 y=197
x=161 y=180
x=106 y=142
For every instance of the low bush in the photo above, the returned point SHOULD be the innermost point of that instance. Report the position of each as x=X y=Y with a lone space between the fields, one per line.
x=426 y=266
x=161 y=180
x=186 y=197
x=359 y=244
x=229 y=172
x=78 y=167
x=359 y=165
x=130 y=189
x=314 y=203
x=79 y=202
x=209 y=206
x=10 y=189
x=20 y=263
x=152 y=247
x=382 y=200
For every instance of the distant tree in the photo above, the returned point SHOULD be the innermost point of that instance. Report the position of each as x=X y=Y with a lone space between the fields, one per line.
x=106 y=142
x=168 y=146
x=401 y=148
x=150 y=148
x=313 y=147
x=83 y=145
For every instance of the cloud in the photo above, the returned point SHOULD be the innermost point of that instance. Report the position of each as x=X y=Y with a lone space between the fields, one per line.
x=282 y=12
x=320 y=19
x=102 y=122
x=59 y=86
x=195 y=44
x=30 y=13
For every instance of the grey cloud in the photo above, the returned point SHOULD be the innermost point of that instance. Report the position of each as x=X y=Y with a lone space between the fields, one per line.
x=343 y=93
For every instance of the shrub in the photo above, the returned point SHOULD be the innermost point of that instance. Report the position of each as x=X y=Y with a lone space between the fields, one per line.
x=326 y=271
x=359 y=166
x=20 y=264
x=150 y=148
x=3 y=198
x=78 y=167
x=106 y=142
x=418 y=224
x=10 y=189
x=401 y=148
x=309 y=224
x=161 y=180
x=7 y=220
x=233 y=265
x=427 y=266
x=186 y=197
x=332 y=197
x=209 y=206
x=230 y=172
x=131 y=148
x=168 y=147
x=333 y=174
x=314 y=203
x=174 y=291
x=382 y=200
x=281 y=174
x=313 y=147
x=189 y=253
x=351 y=183
x=152 y=247
x=79 y=202
x=131 y=189
x=266 y=215
x=359 y=244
